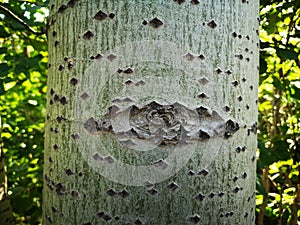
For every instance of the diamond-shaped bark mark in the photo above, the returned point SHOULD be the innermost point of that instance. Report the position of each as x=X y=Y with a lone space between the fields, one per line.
x=62 y=9
x=88 y=35
x=109 y=159
x=161 y=164
x=100 y=15
x=194 y=219
x=140 y=83
x=203 y=172
x=189 y=56
x=106 y=217
x=75 y=194
x=97 y=157
x=152 y=191
x=129 y=83
x=128 y=71
x=72 y=3
x=64 y=100
x=148 y=184
x=123 y=193
x=203 y=96
x=84 y=96
x=111 y=192
x=212 y=24
x=203 y=112
x=218 y=71
x=111 y=57
x=226 y=108
x=69 y=172
x=75 y=136
x=138 y=222
x=100 y=214
x=191 y=173
x=203 y=135
x=91 y=125
x=179 y=1
x=203 y=81
x=173 y=186
x=230 y=128
x=202 y=57
x=195 y=2
x=155 y=22
x=98 y=56
x=228 y=72
x=74 y=81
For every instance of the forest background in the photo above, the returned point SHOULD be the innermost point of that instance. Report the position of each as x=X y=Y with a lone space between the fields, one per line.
x=23 y=76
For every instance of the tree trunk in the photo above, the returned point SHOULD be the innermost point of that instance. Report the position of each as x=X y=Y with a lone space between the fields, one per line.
x=5 y=207
x=151 y=112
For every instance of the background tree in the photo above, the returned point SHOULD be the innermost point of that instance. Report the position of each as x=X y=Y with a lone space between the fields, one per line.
x=151 y=112
x=278 y=166
x=23 y=61
x=276 y=205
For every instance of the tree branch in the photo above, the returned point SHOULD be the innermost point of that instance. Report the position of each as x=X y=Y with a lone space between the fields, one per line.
x=18 y=19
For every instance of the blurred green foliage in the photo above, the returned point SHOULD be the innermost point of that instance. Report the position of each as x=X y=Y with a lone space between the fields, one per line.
x=23 y=58
x=23 y=69
x=278 y=183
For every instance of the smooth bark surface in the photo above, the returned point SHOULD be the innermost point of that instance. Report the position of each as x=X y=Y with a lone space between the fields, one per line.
x=151 y=112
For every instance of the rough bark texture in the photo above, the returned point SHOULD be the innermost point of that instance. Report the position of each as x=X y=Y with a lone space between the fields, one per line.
x=5 y=207
x=151 y=112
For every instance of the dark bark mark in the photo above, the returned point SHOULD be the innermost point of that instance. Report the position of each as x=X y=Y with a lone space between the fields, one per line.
x=155 y=22
x=235 y=83
x=228 y=72
x=69 y=172
x=195 y=2
x=240 y=98
x=203 y=96
x=212 y=24
x=61 y=68
x=218 y=71
x=64 y=100
x=203 y=172
x=152 y=191
x=124 y=193
x=62 y=9
x=72 y=3
x=173 y=186
x=56 y=43
x=202 y=57
x=75 y=136
x=226 y=108
x=230 y=128
x=88 y=35
x=100 y=16
x=194 y=219
x=74 y=81
x=55 y=147
x=203 y=81
x=111 y=57
x=84 y=96
x=179 y=1
x=200 y=197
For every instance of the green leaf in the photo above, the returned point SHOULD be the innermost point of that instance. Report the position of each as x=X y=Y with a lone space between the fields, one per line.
x=296 y=92
x=2 y=91
x=4 y=70
x=3 y=32
x=263 y=66
x=286 y=53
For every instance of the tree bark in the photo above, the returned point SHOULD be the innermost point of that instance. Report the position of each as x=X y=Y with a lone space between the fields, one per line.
x=5 y=207
x=151 y=112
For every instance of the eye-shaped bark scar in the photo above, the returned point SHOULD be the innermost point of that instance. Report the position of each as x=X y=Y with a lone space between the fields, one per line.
x=161 y=125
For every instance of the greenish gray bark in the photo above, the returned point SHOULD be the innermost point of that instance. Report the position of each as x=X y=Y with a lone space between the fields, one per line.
x=151 y=112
